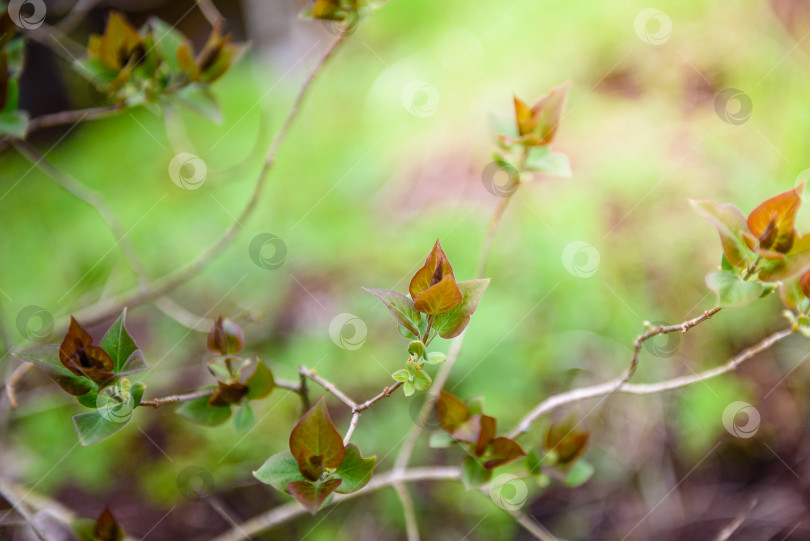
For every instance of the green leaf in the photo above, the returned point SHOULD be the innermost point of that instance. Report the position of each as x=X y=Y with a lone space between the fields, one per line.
x=473 y=473
x=533 y=462
x=355 y=471
x=421 y=380
x=557 y=164
x=312 y=495
x=14 y=123
x=475 y=405
x=452 y=323
x=730 y=223
x=278 y=471
x=578 y=474
x=167 y=40
x=440 y=440
x=117 y=342
x=437 y=357
x=199 y=99
x=133 y=364
x=401 y=307
x=401 y=375
x=261 y=382
x=315 y=443
x=408 y=388
x=90 y=399
x=46 y=358
x=417 y=349
x=733 y=290
x=244 y=418
x=198 y=411
x=93 y=427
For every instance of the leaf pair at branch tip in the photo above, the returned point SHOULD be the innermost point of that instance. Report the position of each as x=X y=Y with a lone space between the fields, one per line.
x=537 y=125
x=433 y=288
x=318 y=463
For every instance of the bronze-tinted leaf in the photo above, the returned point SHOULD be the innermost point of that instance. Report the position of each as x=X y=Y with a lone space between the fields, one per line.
x=436 y=267
x=227 y=393
x=452 y=323
x=503 y=451
x=564 y=439
x=772 y=221
x=451 y=412
x=119 y=45
x=479 y=430
x=525 y=117
x=315 y=443
x=312 y=495
x=730 y=224
x=439 y=298
x=548 y=113
x=78 y=354
x=225 y=337
x=106 y=528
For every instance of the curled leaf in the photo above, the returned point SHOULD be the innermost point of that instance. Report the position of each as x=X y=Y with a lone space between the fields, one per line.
x=78 y=354
x=315 y=443
x=312 y=495
x=772 y=221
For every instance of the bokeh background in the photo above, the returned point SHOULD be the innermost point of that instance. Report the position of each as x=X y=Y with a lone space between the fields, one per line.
x=708 y=101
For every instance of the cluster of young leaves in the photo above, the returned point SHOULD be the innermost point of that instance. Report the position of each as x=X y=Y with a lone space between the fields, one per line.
x=466 y=424
x=239 y=381
x=104 y=528
x=13 y=121
x=526 y=140
x=347 y=12
x=95 y=375
x=139 y=66
x=318 y=464
x=561 y=459
x=438 y=305
x=761 y=252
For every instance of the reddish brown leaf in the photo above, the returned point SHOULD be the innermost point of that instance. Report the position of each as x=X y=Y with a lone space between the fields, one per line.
x=772 y=221
x=804 y=283
x=478 y=429
x=78 y=354
x=106 y=528
x=120 y=44
x=227 y=393
x=503 y=451
x=566 y=441
x=315 y=443
x=451 y=412
x=548 y=113
x=225 y=337
x=436 y=267
x=439 y=298
x=312 y=495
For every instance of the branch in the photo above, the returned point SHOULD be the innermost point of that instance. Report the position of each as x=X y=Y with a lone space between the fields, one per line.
x=186 y=397
x=411 y=526
x=71 y=117
x=284 y=513
x=328 y=387
x=163 y=285
x=620 y=384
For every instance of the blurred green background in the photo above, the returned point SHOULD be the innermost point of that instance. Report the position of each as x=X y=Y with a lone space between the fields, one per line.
x=362 y=189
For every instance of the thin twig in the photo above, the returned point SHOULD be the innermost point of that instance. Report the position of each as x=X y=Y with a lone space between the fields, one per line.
x=163 y=285
x=358 y=410
x=71 y=117
x=329 y=387
x=13 y=380
x=182 y=316
x=620 y=384
x=194 y=395
x=405 y=500
x=284 y=513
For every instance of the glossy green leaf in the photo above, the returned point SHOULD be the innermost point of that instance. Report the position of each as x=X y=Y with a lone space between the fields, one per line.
x=94 y=427
x=167 y=40
x=312 y=495
x=408 y=388
x=436 y=357
x=355 y=471
x=732 y=290
x=46 y=358
x=473 y=473
x=198 y=411
x=452 y=323
x=440 y=440
x=401 y=375
x=315 y=443
x=117 y=342
x=401 y=307
x=278 y=471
